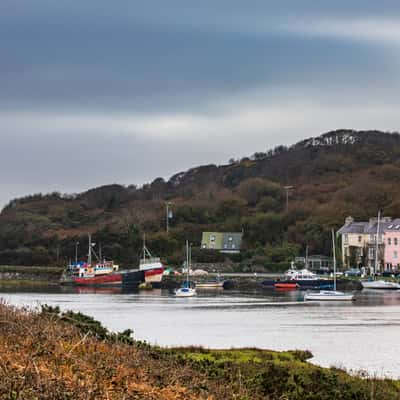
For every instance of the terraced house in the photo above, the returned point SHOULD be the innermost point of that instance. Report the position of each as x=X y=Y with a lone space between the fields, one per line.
x=359 y=242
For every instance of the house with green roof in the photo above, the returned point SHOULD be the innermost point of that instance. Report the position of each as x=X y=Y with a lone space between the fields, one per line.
x=225 y=242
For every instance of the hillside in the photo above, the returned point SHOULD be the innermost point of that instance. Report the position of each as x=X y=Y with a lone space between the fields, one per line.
x=337 y=174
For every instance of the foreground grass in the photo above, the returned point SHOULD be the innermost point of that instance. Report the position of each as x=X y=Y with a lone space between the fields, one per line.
x=54 y=355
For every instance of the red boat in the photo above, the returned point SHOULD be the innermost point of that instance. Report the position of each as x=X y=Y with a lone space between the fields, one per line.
x=109 y=279
x=286 y=285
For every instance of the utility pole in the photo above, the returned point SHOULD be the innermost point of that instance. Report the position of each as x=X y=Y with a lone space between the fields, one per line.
x=287 y=188
x=76 y=252
x=167 y=215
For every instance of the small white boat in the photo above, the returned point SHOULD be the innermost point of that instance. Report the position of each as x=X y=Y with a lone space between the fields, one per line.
x=328 y=295
x=210 y=285
x=380 y=284
x=186 y=290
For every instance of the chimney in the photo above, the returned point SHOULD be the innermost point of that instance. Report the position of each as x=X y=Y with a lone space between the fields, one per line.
x=373 y=221
x=348 y=221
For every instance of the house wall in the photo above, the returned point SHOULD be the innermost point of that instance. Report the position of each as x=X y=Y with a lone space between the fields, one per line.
x=358 y=240
x=392 y=249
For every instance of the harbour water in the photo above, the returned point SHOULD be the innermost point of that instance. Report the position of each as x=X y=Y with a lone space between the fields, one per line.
x=359 y=336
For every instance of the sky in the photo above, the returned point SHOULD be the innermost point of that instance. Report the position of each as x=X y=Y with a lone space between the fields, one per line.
x=101 y=92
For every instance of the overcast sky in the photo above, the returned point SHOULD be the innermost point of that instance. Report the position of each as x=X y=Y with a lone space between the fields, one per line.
x=97 y=92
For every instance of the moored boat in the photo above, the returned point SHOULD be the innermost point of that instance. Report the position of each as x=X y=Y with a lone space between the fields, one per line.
x=380 y=284
x=152 y=267
x=286 y=285
x=330 y=295
x=186 y=290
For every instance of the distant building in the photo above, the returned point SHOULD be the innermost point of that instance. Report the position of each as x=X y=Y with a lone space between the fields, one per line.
x=225 y=242
x=316 y=262
x=392 y=245
x=359 y=242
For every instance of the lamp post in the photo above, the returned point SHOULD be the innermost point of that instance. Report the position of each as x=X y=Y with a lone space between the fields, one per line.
x=167 y=214
x=76 y=252
x=287 y=188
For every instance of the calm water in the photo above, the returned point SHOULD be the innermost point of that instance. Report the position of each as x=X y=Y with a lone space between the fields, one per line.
x=359 y=336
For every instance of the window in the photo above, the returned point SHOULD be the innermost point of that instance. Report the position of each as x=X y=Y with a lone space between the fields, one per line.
x=346 y=237
x=397 y=226
x=390 y=226
x=395 y=241
x=230 y=238
x=389 y=241
x=359 y=239
x=233 y=245
x=225 y=246
x=395 y=254
x=212 y=238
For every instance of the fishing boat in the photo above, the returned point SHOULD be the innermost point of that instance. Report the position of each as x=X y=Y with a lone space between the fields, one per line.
x=330 y=295
x=104 y=273
x=152 y=267
x=374 y=283
x=186 y=290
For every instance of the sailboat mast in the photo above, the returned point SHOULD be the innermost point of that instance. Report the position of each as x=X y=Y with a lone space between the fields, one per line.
x=187 y=260
x=377 y=244
x=90 y=249
x=334 y=260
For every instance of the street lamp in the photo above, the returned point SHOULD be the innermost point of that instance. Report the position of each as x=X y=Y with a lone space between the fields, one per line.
x=76 y=253
x=168 y=214
x=287 y=188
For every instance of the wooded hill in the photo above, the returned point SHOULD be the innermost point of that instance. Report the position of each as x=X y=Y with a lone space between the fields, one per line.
x=337 y=174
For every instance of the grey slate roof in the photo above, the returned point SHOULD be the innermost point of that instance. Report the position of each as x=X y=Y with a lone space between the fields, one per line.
x=354 y=227
x=368 y=228
x=393 y=226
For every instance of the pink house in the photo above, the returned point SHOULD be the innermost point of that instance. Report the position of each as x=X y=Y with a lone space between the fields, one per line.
x=392 y=245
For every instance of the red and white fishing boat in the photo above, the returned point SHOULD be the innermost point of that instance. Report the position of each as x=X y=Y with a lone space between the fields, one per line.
x=152 y=267
x=103 y=273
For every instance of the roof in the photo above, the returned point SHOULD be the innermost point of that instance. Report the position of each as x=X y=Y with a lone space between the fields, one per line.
x=354 y=227
x=393 y=226
x=369 y=228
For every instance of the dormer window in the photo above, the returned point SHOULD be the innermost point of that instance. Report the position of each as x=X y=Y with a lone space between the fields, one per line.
x=390 y=226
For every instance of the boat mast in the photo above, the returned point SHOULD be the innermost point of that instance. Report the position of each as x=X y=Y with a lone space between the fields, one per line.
x=334 y=260
x=90 y=249
x=187 y=260
x=377 y=244
x=144 y=247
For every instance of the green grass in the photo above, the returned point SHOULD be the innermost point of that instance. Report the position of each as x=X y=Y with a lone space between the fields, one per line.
x=34 y=270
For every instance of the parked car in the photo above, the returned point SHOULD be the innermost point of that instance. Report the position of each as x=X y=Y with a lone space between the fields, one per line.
x=352 y=272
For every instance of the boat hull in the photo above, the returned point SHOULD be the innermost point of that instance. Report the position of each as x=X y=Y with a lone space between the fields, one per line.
x=286 y=285
x=328 y=296
x=185 y=292
x=210 y=285
x=303 y=283
x=124 y=278
x=381 y=285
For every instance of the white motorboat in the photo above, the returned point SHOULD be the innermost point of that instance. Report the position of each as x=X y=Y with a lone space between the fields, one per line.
x=330 y=295
x=186 y=290
x=380 y=284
